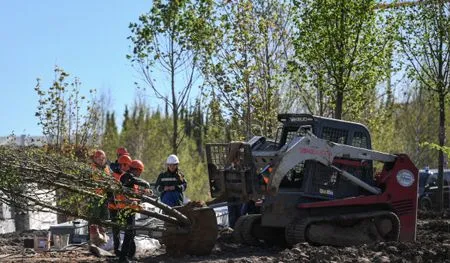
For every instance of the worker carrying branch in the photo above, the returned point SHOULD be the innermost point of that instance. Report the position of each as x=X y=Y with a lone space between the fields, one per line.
x=98 y=207
x=130 y=179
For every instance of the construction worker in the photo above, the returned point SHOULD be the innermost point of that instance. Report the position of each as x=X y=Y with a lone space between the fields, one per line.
x=131 y=180
x=124 y=162
x=115 y=167
x=100 y=168
x=99 y=161
x=171 y=184
x=98 y=208
x=115 y=201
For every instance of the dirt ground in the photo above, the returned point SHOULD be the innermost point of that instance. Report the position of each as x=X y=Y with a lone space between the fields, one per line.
x=432 y=245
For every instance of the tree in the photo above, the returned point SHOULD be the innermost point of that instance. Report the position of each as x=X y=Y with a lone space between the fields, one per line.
x=29 y=176
x=110 y=138
x=146 y=139
x=341 y=49
x=425 y=40
x=416 y=123
x=69 y=121
x=134 y=137
x=274 y=46
x=215 y=124
x=161 y=43
x=243 y=57
x=67 y=118
x=125 y=118
x=194 y=126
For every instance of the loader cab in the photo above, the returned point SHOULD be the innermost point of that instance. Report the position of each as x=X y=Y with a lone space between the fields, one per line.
x=320 y=181
x=339 y=131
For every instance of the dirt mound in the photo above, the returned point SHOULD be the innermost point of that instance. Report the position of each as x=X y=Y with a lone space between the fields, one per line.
x=424 y=215
x=432 y=245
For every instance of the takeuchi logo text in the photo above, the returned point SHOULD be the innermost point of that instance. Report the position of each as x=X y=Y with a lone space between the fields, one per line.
x=312 y=151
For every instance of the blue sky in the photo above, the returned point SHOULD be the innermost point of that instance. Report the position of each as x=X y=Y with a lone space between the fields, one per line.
x=86 y=38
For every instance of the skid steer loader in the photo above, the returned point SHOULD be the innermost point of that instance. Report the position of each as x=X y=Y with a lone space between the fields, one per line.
x=318 y=183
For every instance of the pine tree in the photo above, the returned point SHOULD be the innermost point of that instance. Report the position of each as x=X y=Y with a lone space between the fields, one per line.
x=125 y=119
x=110 y=140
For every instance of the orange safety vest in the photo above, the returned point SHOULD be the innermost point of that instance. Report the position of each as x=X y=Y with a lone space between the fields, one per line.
x=95 y=177
x=117 y=176
x=121 y=201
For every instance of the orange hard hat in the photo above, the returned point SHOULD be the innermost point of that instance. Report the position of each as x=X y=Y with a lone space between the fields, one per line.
x=138 y=165
x=122 y=151
x=99 y=153
x=124 y=159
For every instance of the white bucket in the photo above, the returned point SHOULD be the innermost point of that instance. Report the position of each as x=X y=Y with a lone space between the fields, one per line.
x=60 y=241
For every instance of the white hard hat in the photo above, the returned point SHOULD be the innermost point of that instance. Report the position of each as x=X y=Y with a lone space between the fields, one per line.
x=172 y=159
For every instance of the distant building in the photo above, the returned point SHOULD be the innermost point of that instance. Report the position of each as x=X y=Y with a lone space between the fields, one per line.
x=23 y=140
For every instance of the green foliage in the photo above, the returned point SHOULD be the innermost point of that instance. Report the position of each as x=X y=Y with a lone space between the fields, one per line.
x=256 y=61
x=215 y=124
x=242 y=57
x=424 y=39
x=31 y=178
x=195 y=171
x=194 y=126
x=135 y=136
x=68 y=120
x=342 y=50
x=418 y=123
x=436 y=147
x=162 y=41
x=425 y=42
x=71 y=124
x=146 y=139
x=110 y=140
x=30 y=175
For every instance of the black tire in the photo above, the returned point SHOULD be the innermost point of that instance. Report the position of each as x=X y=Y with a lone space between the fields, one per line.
x=274 y=237
x=238 y=228
x=247 y=230
x=295 y=232
x=392 y=235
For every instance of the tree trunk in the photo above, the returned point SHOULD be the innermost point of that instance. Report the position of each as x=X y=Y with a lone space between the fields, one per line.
x=174 y=99
x=441 y=153
x=338 y=107
x=175 y=115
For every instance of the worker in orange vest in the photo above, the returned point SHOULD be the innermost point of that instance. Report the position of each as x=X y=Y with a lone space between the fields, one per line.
x=115 y=166
x=116 y=202
x=124 y=162
x=98 y=208
x=130 y=179
x=99 y=162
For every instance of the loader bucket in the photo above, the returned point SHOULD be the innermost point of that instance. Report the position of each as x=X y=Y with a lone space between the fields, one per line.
x=198 y=238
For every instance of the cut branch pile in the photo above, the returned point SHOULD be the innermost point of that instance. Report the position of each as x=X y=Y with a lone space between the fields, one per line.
x=32 y=179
